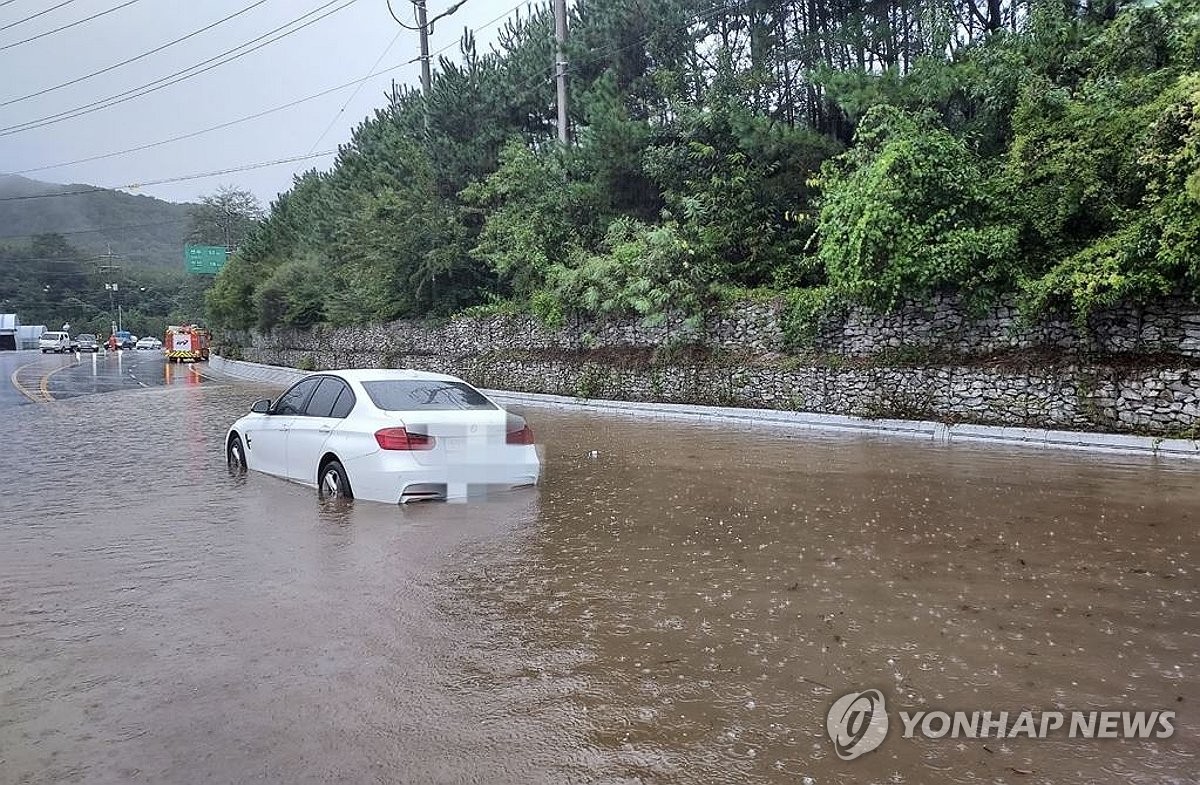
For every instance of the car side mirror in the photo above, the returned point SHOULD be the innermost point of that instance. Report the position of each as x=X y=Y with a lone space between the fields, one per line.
x=261 y=406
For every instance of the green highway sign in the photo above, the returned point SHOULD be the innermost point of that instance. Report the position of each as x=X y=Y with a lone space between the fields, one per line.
x=204 y=259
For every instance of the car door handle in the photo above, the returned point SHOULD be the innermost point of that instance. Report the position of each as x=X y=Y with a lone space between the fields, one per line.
x=325 y=428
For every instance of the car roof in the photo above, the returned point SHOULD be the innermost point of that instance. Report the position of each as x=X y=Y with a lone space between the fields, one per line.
x=385 y=374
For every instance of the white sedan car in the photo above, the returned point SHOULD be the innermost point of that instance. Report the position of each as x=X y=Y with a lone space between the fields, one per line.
x=148 y=342
x=385 y=435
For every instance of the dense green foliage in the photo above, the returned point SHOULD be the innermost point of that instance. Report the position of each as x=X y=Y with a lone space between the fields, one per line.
x=47 y=280
x=831 y=151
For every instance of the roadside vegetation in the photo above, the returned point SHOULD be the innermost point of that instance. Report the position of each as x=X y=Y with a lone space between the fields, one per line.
x=48 y=279
x=825 y=153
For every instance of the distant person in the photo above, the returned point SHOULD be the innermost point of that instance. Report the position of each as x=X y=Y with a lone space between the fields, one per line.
x=112 y=342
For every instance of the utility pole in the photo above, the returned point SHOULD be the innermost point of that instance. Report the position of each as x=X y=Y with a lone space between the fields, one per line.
x=560 y=67
x=423 y=26
x=108 y=271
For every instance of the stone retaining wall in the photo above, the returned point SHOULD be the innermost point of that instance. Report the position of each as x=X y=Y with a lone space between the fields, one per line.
x=1129 y=370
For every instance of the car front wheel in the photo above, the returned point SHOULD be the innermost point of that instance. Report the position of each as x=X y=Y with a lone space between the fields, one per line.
x=333 y=482
x=235 y=455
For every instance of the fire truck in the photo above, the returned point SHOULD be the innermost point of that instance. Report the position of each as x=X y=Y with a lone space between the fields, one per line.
x=186 y=343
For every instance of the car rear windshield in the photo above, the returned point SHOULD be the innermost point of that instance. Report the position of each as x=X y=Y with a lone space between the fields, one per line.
x=87 y=337
x=406 y=395
x=52 y=336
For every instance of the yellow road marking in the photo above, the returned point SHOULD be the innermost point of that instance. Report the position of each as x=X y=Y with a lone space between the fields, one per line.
x=44 y=384
x=20 y=387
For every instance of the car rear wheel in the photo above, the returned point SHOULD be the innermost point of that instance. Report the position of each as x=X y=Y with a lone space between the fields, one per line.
x=235 y=455
x=333 y=482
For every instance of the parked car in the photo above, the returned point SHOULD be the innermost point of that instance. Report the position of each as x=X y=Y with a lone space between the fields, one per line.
x=385 y=435
x=148 y=342
x=54 y=341
x=86 y=342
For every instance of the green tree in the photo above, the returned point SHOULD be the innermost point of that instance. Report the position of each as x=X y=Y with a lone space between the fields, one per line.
x=1032 y=147
x=534 y=217
x=294 y=295
x=908 y=211
x=224 y=217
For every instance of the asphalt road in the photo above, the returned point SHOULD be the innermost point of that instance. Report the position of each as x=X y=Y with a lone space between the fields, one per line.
x=676 y=604
x=33 y=377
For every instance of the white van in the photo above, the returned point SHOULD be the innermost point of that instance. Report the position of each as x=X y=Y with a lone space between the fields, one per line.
x=54 y=341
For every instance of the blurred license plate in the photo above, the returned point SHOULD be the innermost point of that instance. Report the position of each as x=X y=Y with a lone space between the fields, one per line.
x=455 y=445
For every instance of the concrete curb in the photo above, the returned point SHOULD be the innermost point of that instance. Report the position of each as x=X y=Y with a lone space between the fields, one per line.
x=923 y=429
x=255 y=372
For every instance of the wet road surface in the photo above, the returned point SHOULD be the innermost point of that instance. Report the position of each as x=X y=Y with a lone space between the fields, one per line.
x=33 y=377
x=675 y=604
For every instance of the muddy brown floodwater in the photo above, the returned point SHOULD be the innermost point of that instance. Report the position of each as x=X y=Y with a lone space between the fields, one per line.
x=676 y=604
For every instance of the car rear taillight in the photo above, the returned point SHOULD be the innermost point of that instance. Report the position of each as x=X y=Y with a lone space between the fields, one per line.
x=401 y=439
x=522 y=435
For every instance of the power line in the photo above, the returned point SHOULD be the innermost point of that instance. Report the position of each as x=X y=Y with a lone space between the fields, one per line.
x=179 y=76
x=254 y=116
x=217 y=127
x=94 y=230
x=425 y=28
x=44 y=261
x=165 y=180
x=361 y=82
x=43 y=274
x=592 y=57
x=484 y=26
x=231 y=170
x=68 y=26
x=143 y=55
x=93 y=260
x=35 y=16
x=36 y=261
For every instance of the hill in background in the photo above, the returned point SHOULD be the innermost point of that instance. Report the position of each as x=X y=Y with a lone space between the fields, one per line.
x=146 y=232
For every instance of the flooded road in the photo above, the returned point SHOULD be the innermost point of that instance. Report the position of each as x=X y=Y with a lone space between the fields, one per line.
x=33 y=377
x=675 y=604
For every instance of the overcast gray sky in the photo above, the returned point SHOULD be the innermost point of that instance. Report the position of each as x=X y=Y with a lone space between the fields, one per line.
x=337 y=49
